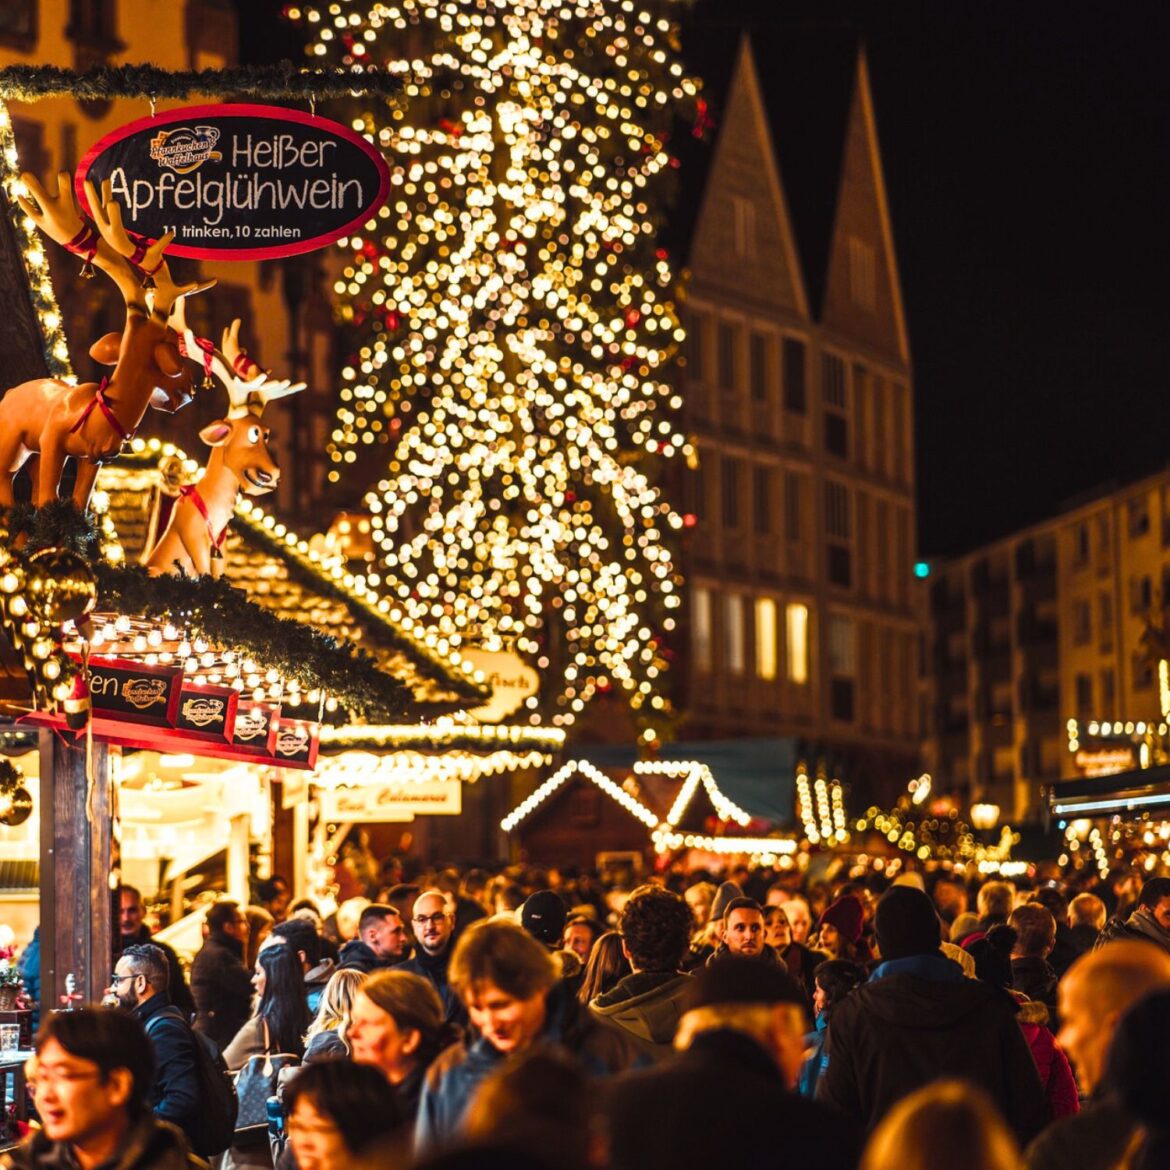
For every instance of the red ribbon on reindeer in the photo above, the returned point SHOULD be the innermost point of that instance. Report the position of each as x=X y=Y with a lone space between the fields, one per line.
x=207 y=351
x=85 y=243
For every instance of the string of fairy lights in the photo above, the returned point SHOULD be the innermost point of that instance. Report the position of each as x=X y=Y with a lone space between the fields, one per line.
x=515 y=315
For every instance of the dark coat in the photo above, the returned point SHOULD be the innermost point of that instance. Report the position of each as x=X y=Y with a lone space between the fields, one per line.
x=1067 y=948
x=456 y=1073
x=222 y=989
x=1036 y=979
x=326 y=1045
x=684 y=1114
x=316 y=979
x=648 y=1006
x=802 y=963
x=355 y=955
x=150 y=1145
x=433 y=968
x=900 y=1031
x=174 y=1093
x=177 y=988
x=1093 y=1139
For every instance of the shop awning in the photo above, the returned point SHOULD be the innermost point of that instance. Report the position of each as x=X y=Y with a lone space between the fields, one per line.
x=759 y=775
x=1124 y=792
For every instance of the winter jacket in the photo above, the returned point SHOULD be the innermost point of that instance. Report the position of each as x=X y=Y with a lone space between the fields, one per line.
x=222 y=988
x=30 y=973
x=648 y=1006
x=1141 y=925
x=455 y=1074
x=433 y=968
x=356 y=955
x=685 y=1114
x=326 y=1045
x=802 y=963
x=816 y=1058
x=174 y=1092
x=149 y=1145
x=177 y=987
x=1060 y=1087
x=919 y=1019
x=723 y=951
x=1093 y=1139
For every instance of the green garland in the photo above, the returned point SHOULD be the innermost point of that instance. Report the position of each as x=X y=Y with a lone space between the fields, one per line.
x=283 y=80
x=223 y=614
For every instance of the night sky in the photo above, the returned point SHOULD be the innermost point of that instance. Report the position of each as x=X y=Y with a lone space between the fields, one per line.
x=1025 y=147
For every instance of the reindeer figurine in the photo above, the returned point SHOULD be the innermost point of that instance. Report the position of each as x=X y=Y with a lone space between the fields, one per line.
x=49 y=419
x=240 y=460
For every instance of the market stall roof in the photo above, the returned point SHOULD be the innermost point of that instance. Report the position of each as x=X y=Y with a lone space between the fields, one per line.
x=1123 y=792
x=279 y=572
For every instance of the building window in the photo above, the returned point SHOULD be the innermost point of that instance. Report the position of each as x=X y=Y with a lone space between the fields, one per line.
x=1140 y=594
x=1139 y=517
x=840 y=566
x=833 y=376
x=726 y=356
x=743 y=213
x=91 y=21
x=18 y=23
x=792 y=505
x=1108 y=695
x=730 y=492
x=1105 y=619
x=841 y=699
x=796 y=641
x=762 y=500
x=758 y=367
x=701 y=627
x=733 y=639
x=862 y=274
x=765 y=638
x=1080 y=544
x=881 y=444
x=1143 y=673
x=1103 y=534
x=838 y=528
x=795 y=398
x=1084 y=689
x=842 y=645
x=1082 y=622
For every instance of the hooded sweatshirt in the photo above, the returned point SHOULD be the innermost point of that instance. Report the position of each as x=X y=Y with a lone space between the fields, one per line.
x=916 y=1020
x=648 y=1005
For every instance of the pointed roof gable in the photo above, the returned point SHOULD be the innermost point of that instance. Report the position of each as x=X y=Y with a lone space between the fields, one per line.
x=743 y=170
x=863 y=295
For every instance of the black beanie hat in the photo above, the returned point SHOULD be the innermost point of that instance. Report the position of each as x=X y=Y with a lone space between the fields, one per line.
x=906 y=924
x=543 y=916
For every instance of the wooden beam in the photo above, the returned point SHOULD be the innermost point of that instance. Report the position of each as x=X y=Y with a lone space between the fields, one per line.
x=78 y=868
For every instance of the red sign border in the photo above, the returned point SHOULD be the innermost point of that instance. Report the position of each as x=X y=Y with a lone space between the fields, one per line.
x=241 y=110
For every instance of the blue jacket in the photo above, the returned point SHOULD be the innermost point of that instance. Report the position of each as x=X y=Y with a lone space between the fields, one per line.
x=453 y=1078
x=30 y=972
x=816 y=1060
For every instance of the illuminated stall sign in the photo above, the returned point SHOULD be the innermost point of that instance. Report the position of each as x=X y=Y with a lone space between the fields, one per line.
x=255 y=727
x=392 y=801
x=238 y=182
x=130 y=691
x=207 y=712
x=296 y=742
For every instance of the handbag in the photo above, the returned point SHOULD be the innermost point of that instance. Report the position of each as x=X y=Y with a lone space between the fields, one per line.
x=256 y=1082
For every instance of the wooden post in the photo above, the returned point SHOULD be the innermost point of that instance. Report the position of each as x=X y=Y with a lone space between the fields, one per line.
x=237 y=859
x=77 y=865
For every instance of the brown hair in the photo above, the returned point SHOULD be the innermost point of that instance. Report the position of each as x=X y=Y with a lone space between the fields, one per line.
x=1035 y=929
x=504 y=954
x=413 y=1004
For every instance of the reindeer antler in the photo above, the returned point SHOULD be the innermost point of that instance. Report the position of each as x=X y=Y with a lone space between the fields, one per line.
x=139 y=255
x=252 y=385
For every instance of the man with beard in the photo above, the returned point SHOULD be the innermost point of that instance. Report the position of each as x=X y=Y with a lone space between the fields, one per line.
x=135 y=932
x=434 y=927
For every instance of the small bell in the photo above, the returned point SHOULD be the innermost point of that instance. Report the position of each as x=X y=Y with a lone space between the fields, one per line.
x=147 y=280
x=217 y=564
x=208 y=382
x=87 y=269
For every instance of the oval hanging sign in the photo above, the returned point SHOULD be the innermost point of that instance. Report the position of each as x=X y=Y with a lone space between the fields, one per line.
x=239 y=182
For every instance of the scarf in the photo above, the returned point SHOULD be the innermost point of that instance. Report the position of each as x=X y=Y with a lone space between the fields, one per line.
x=1143 y=921
x=934 y=968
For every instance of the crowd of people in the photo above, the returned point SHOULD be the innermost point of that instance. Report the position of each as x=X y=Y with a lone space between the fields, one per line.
x=536 y=1019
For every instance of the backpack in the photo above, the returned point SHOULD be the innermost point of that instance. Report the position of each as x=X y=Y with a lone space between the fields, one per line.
x=217 y=1092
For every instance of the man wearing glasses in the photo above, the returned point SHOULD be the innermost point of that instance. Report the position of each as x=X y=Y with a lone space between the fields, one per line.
x=91 y=1079
x=434 y=924
x=140 y=983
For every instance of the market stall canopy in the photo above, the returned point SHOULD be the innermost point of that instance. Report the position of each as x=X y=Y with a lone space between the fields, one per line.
x=758 y=775
x=1103 y=796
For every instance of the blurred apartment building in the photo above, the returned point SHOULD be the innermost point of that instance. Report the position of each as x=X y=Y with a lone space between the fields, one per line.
x=1042 y=627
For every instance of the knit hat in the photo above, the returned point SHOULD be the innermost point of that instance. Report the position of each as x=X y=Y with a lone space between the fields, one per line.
x=911 y=878
x=848 y=915
x=906 y=924
x=737 y=980
x=725 y=893
x=543 y=916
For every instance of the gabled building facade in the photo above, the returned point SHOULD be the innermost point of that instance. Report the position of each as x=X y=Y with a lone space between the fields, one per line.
x=797 y=384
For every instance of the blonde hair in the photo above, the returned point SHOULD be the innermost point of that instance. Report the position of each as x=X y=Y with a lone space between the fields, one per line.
x=336 y=1005
x=924 y=1131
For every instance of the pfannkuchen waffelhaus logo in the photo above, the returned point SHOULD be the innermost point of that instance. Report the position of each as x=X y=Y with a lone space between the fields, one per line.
x=185 y=150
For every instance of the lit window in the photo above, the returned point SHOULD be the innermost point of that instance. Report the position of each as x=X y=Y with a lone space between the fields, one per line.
x=765 y=638
x=701 y=628
x=733 y=639
x=796 y=618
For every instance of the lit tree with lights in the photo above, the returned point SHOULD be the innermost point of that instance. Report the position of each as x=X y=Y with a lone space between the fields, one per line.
x=515 y=316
